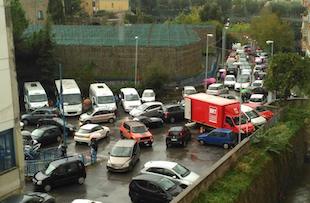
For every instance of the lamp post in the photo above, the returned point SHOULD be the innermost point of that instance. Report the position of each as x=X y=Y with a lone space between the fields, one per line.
x=61 y=107
x=207 y=59
x=224 y=41
x=239 y=134
x=270 y=42
x=136 y=60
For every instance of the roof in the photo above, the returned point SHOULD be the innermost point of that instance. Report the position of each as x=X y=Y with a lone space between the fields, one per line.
x=69 y=86
x=129 y=90
x=88 y=126
x=125 y=143
x=34 y=87
x=159 y=35
x=176 y=128
x=257 y=96
x=245 y=108
x=67 y=159
x=134 y=123
x=212 y=99
x=148 y=90
x=189 y=87
x=101 y=89
x=163 y=164
x=152 y=103
x=46 y=127
x=222 y=130
x=216 y=85
x=149 y=177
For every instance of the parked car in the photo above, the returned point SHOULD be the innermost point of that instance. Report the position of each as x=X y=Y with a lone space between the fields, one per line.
x=150 y=109
x=173 y=113
x=70 y=129
x=34 y=116
x=97 y=115
x=171 y=170
x=148 y=95
x=47 y=135
x=31 y=197
x=137 y=131
x=150 y=122
x=124 y=156
x=130 y=98
x=264 y=112
x=242 y=82
x=153 y=189
x=60 y=172
x=230 y=81
x=188 y=90
x=256 y=84
x=253 y=116
x=220 y=136
x=179 y=135
x=26 y=135
x=89 y=131
x=217 y=89
x=258 y=99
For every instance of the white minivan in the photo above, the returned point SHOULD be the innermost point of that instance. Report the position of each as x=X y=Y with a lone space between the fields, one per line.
x=130 y=98
x=253 y=116
x=34 y=96
x=71 y=97
x=102 y=96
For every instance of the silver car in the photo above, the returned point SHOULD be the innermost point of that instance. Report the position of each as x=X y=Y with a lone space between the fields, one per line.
x=217 y=89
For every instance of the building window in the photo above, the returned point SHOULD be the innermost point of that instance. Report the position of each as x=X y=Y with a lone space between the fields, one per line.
x=40 y=15
x=7 y=151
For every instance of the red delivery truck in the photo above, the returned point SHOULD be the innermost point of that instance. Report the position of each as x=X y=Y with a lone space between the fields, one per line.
x=216 y=112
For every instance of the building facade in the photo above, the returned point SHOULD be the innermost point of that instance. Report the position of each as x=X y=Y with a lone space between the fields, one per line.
x=35 y=10
x=11 y=147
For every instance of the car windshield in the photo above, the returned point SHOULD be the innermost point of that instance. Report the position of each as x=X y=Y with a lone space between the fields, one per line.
x=37 y=98
x=252 y=114
x=243 y=120
x=148 y=94
x=181 y=170
x=121 y=151
x=49 y=169
x=213 y=88
x=106 y=99
x=72 y=99
x=84 y=131
x=256 y=99
x=166 y=184
x=142 y=107
x=139 y=129
x=190 y=91
x=256 y=84
x=132 y=97
x=230 y=79
x=37 y=133
x=243 y=79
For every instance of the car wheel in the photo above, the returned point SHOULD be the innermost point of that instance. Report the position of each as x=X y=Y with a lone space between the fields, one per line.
x=47 y=188
x=226 y=146
x=172 y=120
x=26 y=122
x=201 y=142
x=121 y=134
x=81 y=180
x=111 y=120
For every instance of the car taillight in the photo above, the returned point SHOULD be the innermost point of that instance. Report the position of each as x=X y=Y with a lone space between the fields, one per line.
x=166 y=114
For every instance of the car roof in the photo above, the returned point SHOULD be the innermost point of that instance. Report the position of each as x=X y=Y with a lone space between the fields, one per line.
x=148 y=90
x=245 y=108
x=229 y=76
x=89 y=126
x=65 y=160
x=222 y=130
x=152 y=103
x=258 y=81
x=171 y=105
x=163 y=164
x=125 y=143
x=129 y=90
x=176 y=128
x=257 y=96
x=47 y=127
x=216 y=85
x=134 y=123
x=149 y=177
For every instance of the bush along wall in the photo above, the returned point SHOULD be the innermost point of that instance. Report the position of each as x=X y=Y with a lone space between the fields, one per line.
x=264 y=174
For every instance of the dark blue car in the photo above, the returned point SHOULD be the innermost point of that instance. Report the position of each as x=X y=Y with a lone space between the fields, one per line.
x=220 y=136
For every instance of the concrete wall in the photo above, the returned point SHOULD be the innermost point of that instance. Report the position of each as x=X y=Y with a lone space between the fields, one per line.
x=32 y=9
x=112 y=5
x=11 y=181
x=215 y=172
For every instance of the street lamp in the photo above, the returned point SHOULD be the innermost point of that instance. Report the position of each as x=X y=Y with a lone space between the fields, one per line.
x=224 y=41
x=136 y=60
x=207 y=58
x=270 y=42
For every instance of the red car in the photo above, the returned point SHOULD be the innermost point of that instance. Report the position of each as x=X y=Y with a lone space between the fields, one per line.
x=261 y=110
x=137 y=131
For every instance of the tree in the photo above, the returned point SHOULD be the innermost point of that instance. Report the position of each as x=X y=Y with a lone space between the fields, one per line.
x=286 y=71
x=212 y=10
x=72 y=7
x=268 y=26
x=18 y=20
x=192 y=18
x=56 y=11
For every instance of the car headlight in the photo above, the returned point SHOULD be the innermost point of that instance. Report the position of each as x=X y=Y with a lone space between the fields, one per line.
x=109 y=162
x=242 y=132
x=39 y=182
x=71 y=129
x=126 y=164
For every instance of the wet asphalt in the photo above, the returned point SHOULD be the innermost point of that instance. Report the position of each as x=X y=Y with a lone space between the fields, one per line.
x=108 y=187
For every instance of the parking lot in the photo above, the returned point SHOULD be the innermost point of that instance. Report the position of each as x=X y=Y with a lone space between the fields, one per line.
x=113 y=187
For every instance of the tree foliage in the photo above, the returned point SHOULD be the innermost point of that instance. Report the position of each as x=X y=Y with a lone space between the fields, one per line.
x=286 y=71
x=56 y=11
x=18 y=20
x=191 y=18
x=268 y=26
x=211 y=11
x=72 y=7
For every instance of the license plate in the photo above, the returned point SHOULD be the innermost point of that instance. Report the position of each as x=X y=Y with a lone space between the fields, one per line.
x=146 y=142
x=174 y=139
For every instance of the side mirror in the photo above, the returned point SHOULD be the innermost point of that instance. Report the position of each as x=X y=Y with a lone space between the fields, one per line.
x=174 y=177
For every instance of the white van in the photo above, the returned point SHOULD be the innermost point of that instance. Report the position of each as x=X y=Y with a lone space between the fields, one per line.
x=130 y=98
x=34 y=96
x=71 y=97
x=253 y=116
x=102 y=96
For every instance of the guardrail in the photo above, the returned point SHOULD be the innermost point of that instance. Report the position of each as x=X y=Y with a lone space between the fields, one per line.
x=219 y=169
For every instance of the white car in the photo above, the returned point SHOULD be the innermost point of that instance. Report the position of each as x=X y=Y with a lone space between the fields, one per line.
x=149 y=109
x=257 y=83
x=242 y=82
x=130 y=98
x=148 y=95
x=172 y=171
x=89 y=131
x=188 y=90
x=257 y=99
x=85 y=201
x=217 y=89
x=229 y=81
x=253 y=116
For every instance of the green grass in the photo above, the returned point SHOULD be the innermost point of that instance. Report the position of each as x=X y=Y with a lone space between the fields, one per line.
x=277 y=139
